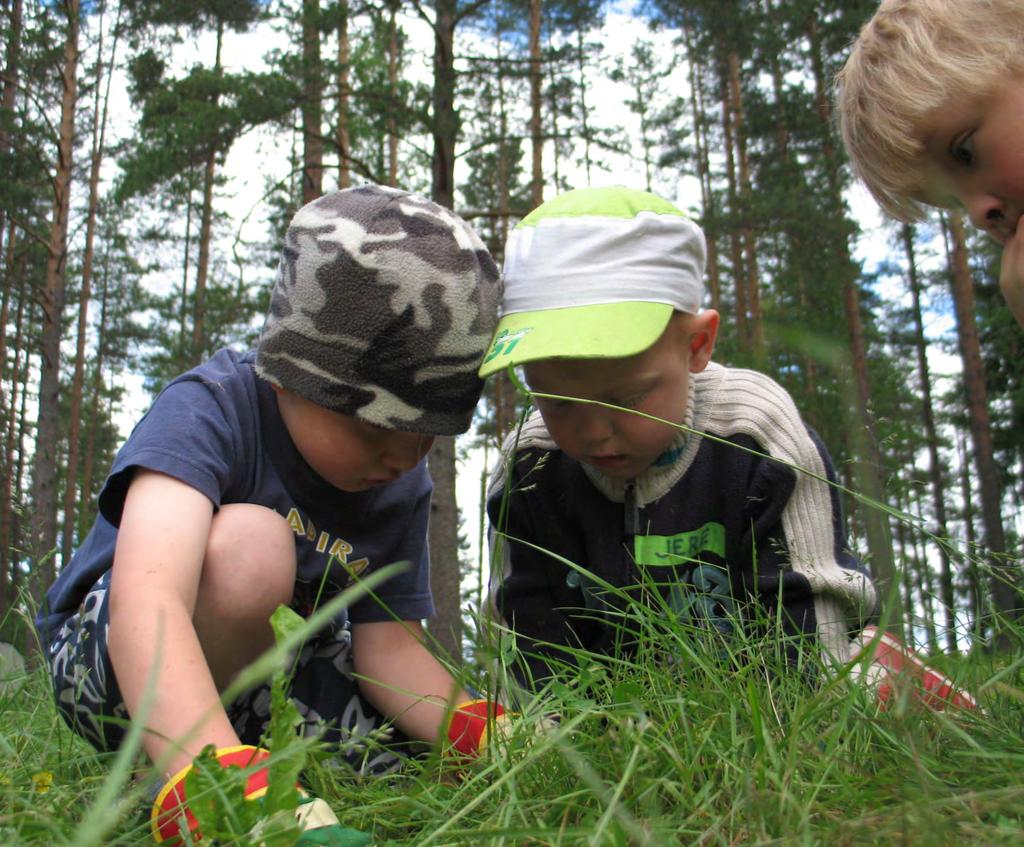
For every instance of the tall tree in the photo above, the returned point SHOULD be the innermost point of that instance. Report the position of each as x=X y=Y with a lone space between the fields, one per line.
x=101 y=85
x=17 y=373
x=45 y=494
x=446 y=625
x=935 y=465
x=393 y=59
x=10 y=86
x=644 y=73
x=536 y=107
x=1003 y=570
x=869 y=466
x=312 y=103
x=343 y=83
x=188 y=124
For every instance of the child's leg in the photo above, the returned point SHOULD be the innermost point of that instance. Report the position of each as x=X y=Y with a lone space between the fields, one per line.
x=249 y=570
x=83 y=680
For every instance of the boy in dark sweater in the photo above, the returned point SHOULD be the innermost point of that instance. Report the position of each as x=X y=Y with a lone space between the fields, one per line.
x=661 y=477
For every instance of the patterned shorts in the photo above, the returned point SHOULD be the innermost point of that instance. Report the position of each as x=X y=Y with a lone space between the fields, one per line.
x=322 y=689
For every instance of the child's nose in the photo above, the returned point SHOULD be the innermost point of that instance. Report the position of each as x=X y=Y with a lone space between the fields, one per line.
x=594 y=425
x=986 y=211
x=405 y=449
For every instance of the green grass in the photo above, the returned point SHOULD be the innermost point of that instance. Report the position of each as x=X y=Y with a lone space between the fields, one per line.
x=690 y=743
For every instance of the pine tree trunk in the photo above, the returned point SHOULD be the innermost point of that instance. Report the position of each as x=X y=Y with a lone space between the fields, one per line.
x=504 y=412
x=782 y=128
x=1003 y=573
x=22 y=434
x=556 y=147
x=749 y=278
x=205 y=234
x=344 y=94
x=868 y=467
x=393 y=89
x=700 y=140
x=44 y=505
x=99 y=127
x=184 y=342
x=536 y=117
x=979 y=599
x=584 y=107
x=732 y=192
x=926 y=579
x=504 y=165
x=10 y=86
x=312 y=98
x=445 y=626
x=931 y=435
x=794 y=233
x=85 y=519
x=203 y=263
x=445 y=123
x=5 y=310
x=15 y=269
x=907 y=572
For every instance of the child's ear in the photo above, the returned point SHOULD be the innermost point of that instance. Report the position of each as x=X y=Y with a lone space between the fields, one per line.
x=703 y=332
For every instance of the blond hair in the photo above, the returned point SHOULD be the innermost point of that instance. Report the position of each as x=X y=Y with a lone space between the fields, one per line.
x=911 y=58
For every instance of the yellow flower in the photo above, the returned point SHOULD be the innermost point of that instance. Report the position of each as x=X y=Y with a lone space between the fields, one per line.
x=42 y=781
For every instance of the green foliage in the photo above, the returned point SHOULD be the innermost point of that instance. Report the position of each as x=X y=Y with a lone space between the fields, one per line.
x=184 y=120
x=192 y=15
x=217 y=799
x=684 y=744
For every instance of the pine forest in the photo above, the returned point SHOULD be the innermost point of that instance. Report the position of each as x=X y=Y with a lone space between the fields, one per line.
x=152 y=153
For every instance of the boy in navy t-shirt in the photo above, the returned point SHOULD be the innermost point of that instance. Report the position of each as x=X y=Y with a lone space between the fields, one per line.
x=276 y=477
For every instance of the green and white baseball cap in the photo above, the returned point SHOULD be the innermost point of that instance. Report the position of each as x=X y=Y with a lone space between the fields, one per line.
x=596 y=273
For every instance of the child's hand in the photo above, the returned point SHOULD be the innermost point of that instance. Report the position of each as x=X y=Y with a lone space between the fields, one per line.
x=1011 y=273
x=315 y=818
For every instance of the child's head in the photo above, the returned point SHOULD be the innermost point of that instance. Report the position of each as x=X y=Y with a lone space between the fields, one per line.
x=602 y=302
x=382 y=310
x=920 y=90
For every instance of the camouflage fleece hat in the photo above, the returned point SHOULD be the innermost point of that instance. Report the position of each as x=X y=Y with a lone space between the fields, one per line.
x=383 y=307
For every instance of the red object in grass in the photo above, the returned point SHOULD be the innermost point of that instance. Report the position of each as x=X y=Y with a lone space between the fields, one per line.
x=171 y=802
x=467 y=728
x=900 y=663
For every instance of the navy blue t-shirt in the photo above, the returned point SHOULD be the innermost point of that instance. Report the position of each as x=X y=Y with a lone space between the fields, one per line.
x=218 y=429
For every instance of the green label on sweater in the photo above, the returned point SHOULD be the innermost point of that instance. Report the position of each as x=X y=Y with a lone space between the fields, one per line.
x=659 y=550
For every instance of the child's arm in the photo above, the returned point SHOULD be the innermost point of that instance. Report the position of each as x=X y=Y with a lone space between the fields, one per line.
x=154 y=584
x=1011 y=274
x=409 y=684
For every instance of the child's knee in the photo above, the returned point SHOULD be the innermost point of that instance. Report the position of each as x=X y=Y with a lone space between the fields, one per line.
x=250 y=558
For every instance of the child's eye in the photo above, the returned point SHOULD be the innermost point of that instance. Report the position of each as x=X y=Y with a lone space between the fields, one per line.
x=962 y=149
x=374 y=430
x=632 y=401
x=550 y=404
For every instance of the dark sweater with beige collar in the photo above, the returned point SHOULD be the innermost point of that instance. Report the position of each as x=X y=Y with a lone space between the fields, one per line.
x=733 y=521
